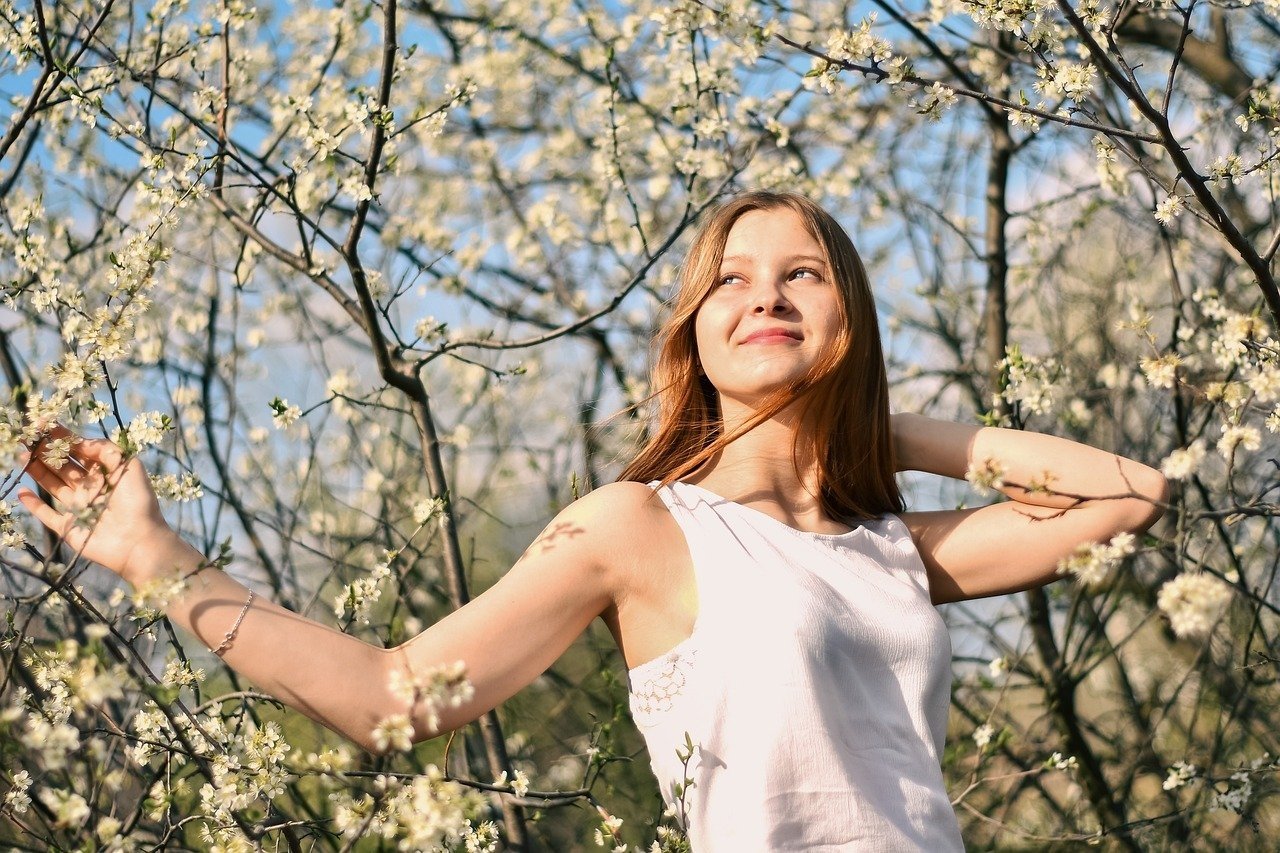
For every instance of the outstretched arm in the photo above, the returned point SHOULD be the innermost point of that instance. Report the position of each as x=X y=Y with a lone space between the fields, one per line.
x=1063 y=494
x=505 y=638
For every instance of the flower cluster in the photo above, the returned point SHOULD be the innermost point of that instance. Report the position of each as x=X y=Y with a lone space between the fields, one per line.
x=519 y=785
x=1161 y=371
x=985 y=476
x=609 y=834
x=1093 y=562
x=432 y=691
x=422 y=813
x=182 y=487
x=1179 y=774
x=1034 y=383
x=1067 y=80
x=1169 y=208
x=1193 y=602
x=1236 y=795
x=283 y=413
x=356 y=598
x=1185 y=461
x=859 y=45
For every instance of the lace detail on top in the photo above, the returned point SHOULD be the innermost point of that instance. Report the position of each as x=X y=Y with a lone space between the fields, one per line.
x=661 y=680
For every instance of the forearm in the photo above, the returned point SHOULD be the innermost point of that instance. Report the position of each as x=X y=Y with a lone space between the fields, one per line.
x=1038 y=469
x=333 y=678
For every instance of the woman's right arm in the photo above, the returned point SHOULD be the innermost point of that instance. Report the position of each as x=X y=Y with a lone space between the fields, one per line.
x=505 y=638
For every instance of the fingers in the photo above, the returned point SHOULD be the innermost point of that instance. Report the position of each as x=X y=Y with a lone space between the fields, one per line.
x=68 y=477
x=55 y=447
x=87 y=455
x=52 y=481
x=60 y=523
x=99 y=450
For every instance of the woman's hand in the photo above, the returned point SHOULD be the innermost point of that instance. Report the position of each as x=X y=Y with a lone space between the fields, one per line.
x=94 y=473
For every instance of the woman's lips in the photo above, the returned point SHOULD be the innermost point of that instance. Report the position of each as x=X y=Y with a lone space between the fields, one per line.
x=771 y=337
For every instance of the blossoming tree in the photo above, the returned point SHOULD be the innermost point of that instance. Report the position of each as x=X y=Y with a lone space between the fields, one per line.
x=370 y=287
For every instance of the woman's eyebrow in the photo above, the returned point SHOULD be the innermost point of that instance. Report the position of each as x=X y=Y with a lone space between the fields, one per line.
x=737 y=259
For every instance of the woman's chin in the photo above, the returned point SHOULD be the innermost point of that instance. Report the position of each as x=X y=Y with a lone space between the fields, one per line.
x=756 y=394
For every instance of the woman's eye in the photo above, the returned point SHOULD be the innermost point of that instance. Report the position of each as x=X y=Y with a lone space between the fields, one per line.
x=730 y=278
x=807 y=272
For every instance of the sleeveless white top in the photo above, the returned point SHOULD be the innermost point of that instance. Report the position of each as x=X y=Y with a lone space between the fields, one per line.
x=815 y=688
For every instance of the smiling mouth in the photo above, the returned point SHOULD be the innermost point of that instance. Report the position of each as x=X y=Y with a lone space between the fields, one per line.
x=771 y=338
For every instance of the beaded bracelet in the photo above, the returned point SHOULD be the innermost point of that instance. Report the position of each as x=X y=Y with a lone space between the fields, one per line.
x=235 y=627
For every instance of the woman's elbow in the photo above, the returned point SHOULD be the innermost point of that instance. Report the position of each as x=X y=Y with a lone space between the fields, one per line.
x=396 y=732
x=1149 y=500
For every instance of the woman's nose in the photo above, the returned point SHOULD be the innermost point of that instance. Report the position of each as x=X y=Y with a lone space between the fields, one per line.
x=769 y=299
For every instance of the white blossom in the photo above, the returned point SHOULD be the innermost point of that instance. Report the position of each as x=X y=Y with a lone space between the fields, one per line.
x=1161 y=372
x=481 y=839
x=55 y=453
x=1091 y=562
x=145 y=430
x=1236 y=796
x=607 y=834
x=520 y=784
x=986 y=476
x=1168 y=209
x=426 y=509
x=1265 y=382
x=859 y=45
x=1034 y=383
x=181 y=488
x=1183 y=462
x=394 y=732
x=1238 y=436
x=1179 y=774
x=1069 y=79
x=283 y=413
x=68 y=807
x=17 y=799
x=1226 y=169
x=937 y=100
x=358 y=597
x=1193 y=602
x=436 y=689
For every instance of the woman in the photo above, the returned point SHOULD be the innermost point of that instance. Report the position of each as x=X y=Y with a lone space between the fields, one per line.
x=769 y=596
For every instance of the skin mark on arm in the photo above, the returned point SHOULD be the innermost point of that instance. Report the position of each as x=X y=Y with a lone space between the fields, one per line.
x=553 y=535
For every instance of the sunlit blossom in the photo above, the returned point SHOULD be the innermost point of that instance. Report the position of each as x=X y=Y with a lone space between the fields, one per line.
x=1185 y=461
x=1193 y=603
x=986 y=476
x=1179 y=774
x=394 y=732
x=1093 y=562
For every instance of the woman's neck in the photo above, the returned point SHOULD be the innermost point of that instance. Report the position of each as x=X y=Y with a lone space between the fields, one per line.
x=758 y=468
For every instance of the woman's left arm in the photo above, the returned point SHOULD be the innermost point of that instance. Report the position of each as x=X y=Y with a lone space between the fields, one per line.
x=1063 y=494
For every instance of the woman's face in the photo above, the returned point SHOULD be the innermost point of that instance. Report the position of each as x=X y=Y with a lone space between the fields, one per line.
x=773 y=310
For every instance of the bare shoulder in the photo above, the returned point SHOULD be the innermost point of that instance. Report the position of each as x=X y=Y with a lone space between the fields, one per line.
x=619 y=502
x=607 y=520
x=623 y=528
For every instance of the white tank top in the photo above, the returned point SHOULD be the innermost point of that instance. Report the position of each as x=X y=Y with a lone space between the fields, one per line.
x=815 y=688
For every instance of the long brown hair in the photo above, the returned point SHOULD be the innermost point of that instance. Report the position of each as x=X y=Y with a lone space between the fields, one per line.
x=843 y=399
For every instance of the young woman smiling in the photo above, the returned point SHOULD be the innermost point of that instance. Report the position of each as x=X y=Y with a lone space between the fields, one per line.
x=771 y=599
